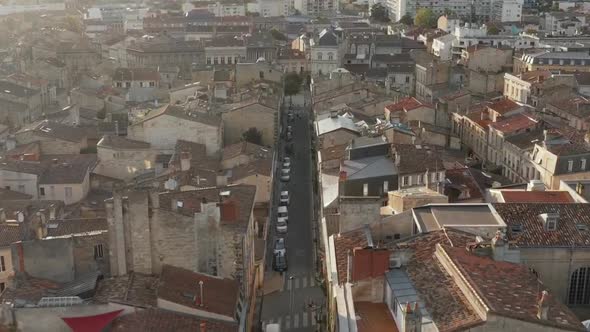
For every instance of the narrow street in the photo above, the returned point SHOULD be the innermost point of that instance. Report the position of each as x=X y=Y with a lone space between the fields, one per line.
x=287 y=301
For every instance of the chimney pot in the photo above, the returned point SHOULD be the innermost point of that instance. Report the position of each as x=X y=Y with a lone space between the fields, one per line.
x=543 y=305
x=203 y=326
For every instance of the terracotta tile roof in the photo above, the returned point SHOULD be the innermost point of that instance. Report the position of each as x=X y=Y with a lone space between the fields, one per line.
x=577 y=106
x=181 y=286
x=76 y=226
x=510 y=290
x=344 y=243
x=518 y=196
x=462 y=179
x=55 y=130
x=12 y=232
x=417 y=158
x=9 y=195
x=503 y=106
x=535 y=75
x=406 y=105
x=240 y=196
x=334 y=152
x=515 y=123
x=118 y=142
x=477 y=118
x=533 y=233
x=247 y=148
x=257 y=167
x=444 y=300
x=157 y=320
x=28 y=289
x=135 y=289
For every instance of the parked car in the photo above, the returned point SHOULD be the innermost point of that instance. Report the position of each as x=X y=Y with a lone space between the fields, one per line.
x=281 y=226
x=285 y=178
x=285 y=197
x=280 y=262
x=287 y=164
x=280 y=246
x=286 y=159
x=283 y=213
x=286 y=171
x=289 y=136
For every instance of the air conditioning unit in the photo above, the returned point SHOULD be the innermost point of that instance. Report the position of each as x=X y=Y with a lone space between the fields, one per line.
x=395 y=263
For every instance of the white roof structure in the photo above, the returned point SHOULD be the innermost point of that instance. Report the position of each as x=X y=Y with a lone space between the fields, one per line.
x=333 y=123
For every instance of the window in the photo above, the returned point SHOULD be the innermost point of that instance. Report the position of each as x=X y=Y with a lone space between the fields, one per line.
x=330 y=56
x=2 y=286
x=404 y=180
x=152 y=84
x=385 y=186
x=583 y=164
x=68 y=191
x=320 y=56
x=119 y=85
x=208 y=60
x=127 y=84
x=579 y=287
x=141 y=84
x=98 y=251
x=407 y=79
x=2 y=264
x=419 y=179
x=570 y=165
x=433 y=177
x=41 y=191
x=551 y=225
x=261 y=75
x=365 y=189
x=21 y=188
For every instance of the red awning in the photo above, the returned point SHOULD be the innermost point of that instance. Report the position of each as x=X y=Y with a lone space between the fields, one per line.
x=94 y=323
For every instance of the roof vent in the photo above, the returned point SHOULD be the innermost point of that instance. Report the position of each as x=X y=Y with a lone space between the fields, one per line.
x=582 y=227
x=516 y=228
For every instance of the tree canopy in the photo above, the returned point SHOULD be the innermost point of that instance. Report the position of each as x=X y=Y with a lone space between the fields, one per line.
x=276 y=34
x=252 y=135
x=407 y=20
x=292 y=84
x=425 y=18
x=379 y=13
x=492 y=30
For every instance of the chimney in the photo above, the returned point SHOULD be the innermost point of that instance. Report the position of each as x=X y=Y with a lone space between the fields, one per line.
x=185 y=161
x=2 y=215
x=55 y=161
x=202 y=300
x=40 y=226
x=498 y=247
x=203 y=326
x=333 y=114
x=52 y=212
x=116 y=128
x=543 y=305
x=412 y=317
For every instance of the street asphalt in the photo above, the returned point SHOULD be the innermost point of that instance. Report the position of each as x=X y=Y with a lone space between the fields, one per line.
x=296 y=305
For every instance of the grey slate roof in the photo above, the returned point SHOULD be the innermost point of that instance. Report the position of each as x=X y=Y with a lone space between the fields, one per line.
x=118 y=142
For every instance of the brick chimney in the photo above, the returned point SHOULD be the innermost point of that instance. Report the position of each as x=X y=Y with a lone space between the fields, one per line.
x=498 y=247
x=412 y=317
x=543 y=305
x=203 y=327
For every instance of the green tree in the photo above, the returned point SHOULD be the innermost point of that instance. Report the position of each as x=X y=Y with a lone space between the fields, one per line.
x=379 y=13
x=73 y=24
x=252 y=135
x=292 y=84
x=492 y=30
x=407 y=20
x=276 y=34
x=425 y=18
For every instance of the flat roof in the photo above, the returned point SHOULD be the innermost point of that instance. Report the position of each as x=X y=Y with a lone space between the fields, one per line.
x=437 y=216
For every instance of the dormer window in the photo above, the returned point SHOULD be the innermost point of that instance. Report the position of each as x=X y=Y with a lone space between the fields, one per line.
x=549 y=220
x=516 y=228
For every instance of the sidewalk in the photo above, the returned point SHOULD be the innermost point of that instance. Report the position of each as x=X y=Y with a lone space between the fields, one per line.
x=273 y=282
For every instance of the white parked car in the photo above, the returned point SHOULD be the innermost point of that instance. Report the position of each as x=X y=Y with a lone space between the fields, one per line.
x=283 y=213
x=286 y=171
x=287 y=165
x=285 y=178
x=285 y=198
x=280 y=246
x=281 y=226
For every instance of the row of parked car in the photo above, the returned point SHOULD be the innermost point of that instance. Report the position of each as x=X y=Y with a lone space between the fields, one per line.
x=280 y=248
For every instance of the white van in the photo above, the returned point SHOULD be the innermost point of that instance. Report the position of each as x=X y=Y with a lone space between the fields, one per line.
x=272 y=328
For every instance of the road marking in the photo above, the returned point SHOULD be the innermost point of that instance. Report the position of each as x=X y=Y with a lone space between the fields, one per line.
x=287 y=322
x=296 y=283
x=296 y=321
x=312 y=281
x=279 y=321
x=305 y=319
x=304 y=283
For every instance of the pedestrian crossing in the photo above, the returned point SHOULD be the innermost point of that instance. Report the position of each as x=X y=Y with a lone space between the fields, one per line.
x=300 y=320
x=305 y=281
